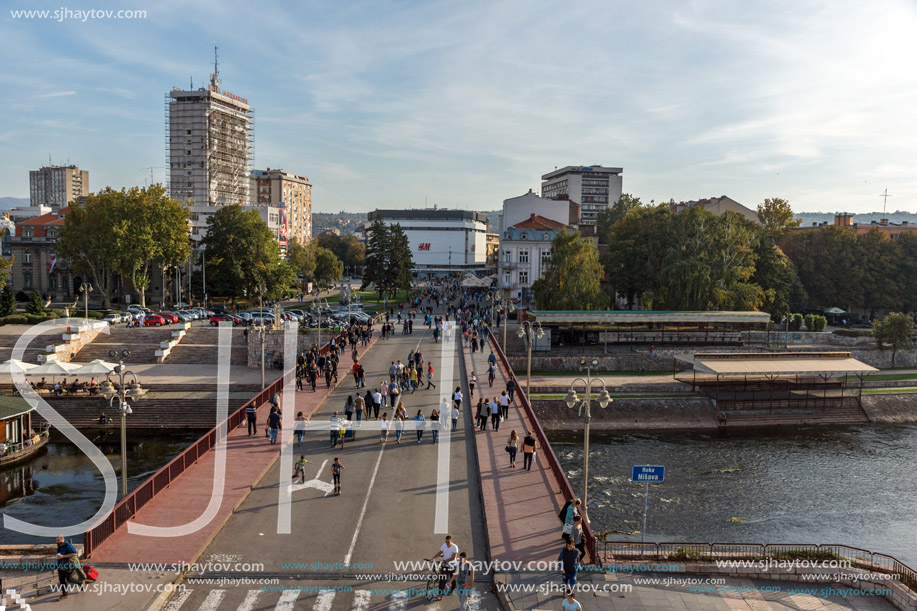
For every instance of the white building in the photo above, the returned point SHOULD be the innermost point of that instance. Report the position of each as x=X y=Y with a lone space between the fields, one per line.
x=441 y=240
x=593 y=187
x=525 y=249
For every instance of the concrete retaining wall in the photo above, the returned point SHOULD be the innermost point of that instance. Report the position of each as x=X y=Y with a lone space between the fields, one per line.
x=631 y=414
x=891 y=408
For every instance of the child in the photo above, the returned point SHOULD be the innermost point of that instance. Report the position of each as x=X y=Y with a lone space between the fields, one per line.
x=336 y=467
x=299 y=469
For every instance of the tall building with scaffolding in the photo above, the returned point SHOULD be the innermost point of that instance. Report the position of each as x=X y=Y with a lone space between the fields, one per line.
x=210 y=144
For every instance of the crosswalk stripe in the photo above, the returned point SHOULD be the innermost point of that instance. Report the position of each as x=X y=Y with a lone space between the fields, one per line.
x=250 y=599
x=287 y=598
x=322 y=602
x=212 y=601
x=176 y=602
x=361 y=600
x=398 y=601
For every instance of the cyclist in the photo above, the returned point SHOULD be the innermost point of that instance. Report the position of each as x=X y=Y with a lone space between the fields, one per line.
x=449 y=551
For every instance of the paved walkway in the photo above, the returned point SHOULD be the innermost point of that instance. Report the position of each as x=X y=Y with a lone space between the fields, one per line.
x=521 y=507
x=247 y=459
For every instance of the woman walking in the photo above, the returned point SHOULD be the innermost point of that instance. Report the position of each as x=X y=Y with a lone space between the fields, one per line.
x=398 y=422
x=430 y=375
x=300 y=428
x=457 y=397
x=512 y=446
x=383 y=428
x=434 y=425
x=419 y=421
x=528 y=451
x=482 y=414
x=472 y=380
x=348 y=408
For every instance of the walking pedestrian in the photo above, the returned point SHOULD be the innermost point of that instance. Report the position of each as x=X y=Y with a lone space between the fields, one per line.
x=512 y=446
x=483 y=413
x=572 y=511
x=579 y=541
x=510 y=388
x=568 y=559
x=336 y=426
x=528 y=451
x=504 y=405
x=491 y=374
x=300 y=428
x=383 y=428
x=434 y=425
x=299 y=469
x=419 y=422
x=570 y=603
x=274 y=421
x=430 y=375
x=348 y=407
x=472 y=380
x=495 y=414
x=399 y=426
x=336 y=467
x=251 y=414
x=457 y=397
x=455 y=416
x=359 y=406
x=377 y=403
x=463 y=581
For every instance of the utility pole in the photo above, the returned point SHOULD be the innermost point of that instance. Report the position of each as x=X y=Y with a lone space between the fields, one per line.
x=884 y=195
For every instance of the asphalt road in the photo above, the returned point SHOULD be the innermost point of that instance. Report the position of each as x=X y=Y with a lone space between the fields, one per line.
x=387 y=512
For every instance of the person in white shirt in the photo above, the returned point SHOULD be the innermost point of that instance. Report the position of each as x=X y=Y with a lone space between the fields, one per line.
x=504 y=405
x=457 y=397
x=455 y=416
x=472 y=380
x=449 y=551
x=494 y=414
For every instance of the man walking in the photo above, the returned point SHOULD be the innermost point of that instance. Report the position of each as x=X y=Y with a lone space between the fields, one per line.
x=510 y=388
x=494 y=415
x=463 y=581
x=568 y=558
x=251 y=414
x=274 y=421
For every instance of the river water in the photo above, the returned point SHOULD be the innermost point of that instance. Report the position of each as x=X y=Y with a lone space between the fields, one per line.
x=854 y=485
x=62 y=486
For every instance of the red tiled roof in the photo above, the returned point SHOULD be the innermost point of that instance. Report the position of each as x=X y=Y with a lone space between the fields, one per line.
x=536 y=221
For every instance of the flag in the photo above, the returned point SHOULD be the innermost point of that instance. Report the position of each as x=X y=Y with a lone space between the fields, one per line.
x=51 y=263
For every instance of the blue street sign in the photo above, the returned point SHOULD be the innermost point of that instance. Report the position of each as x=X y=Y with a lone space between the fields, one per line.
x=648 y=473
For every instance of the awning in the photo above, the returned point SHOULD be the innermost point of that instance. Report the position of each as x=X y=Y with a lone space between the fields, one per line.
x=787 y=364
x=645 y=316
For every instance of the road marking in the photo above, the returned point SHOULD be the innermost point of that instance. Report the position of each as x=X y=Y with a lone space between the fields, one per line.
x=288 y=408
x=176 y=602
x=361 y=600
x=326 y=487
x=250 y=599
x=398 y=601
x=212 y=601
x=322 y=602
x=474 y=601
x=446 y=364
x=356 y=532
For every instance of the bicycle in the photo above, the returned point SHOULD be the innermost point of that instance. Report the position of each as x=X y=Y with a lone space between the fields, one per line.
x=432 y=585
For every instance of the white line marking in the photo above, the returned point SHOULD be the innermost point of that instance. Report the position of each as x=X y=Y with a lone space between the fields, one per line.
x=322 y=603
x=176 y=602
x=361 y=600
x=356 y=532
x=446 y=365
x=398 y=601
x=250 y=599
x=326 y=487
x=288 y=409
x=287 y=598
x=212 y=601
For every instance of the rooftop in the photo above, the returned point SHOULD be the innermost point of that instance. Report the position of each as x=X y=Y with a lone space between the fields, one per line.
x=780 y=364
x=647 y=316
x=580 y=169
x=427 y=214
x=10 y=407
x=536 y=221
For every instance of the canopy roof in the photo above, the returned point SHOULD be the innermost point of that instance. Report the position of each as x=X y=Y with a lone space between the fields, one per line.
x=646 y=316
x=10 y=407
x=780 y=364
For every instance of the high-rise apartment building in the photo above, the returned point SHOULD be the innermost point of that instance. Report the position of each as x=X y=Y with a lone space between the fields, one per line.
x=293 y=191
x=57 y=186
x=592 y=187
x=209 y=149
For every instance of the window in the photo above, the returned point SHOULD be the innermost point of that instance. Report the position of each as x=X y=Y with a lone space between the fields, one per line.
x=524 y=236
x=545 y=256
x=508 y=256
x=523 y=277
x=523 y=256
x=52 y=282
x=546 y=237
x=507 y=279
x=27 y=233
x=26 y=280
x=27 y=257
x=509 y=235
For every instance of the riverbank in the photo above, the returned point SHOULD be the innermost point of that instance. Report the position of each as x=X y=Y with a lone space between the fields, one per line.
x=661 y=413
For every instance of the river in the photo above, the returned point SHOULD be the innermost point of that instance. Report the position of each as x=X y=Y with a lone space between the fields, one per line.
x=853 y=485
x=62 y=486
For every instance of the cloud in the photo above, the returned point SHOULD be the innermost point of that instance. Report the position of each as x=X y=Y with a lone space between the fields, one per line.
x=54 y=94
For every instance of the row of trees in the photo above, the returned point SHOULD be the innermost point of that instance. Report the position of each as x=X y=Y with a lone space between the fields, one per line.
x=388 y=258
x=132 y=232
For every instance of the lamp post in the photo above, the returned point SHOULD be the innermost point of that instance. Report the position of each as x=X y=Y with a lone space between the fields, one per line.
x=506 y=309
x=86 y=288
x=572 y=400
x=527 y=328
x=118 y=396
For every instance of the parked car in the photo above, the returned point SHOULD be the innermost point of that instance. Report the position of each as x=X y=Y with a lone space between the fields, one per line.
x=154 y=320
x=185 y=316
x=113 y=319
x=169 y=316
x=235 y=320
x=181 y=305
x=138 y=309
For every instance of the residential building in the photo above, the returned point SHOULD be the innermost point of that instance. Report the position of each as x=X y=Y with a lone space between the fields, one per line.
x=57 y=186
x=525 y=250
x=290 y=191
x=594 y=188
x=719 y=206
x=845 y=219
x=517 y=209
x=493 y=250
x=209 y=149
x=441 y=240
x=276 y=219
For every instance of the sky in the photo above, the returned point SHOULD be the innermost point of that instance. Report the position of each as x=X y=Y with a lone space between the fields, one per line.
x=464 y=104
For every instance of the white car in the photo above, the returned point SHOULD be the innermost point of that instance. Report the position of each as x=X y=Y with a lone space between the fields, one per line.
x=113 y=319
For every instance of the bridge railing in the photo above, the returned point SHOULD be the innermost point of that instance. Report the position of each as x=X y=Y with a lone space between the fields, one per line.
x=618 y=551
x=128 y=507
x=547 y=451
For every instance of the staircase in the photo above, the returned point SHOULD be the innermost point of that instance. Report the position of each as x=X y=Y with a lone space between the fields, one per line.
x=37 y=346
x=141 y=342
x=847 y=414
x=200 y=347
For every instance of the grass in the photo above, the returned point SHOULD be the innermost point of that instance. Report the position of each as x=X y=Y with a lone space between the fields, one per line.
x=578 y=374
x=888 y=391
x=891 y=377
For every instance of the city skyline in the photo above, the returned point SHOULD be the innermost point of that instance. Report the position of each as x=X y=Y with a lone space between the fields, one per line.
x=414 y=104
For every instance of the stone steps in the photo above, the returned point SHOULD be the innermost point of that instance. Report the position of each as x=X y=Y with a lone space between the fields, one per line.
x=176 y=414
x=796 y=417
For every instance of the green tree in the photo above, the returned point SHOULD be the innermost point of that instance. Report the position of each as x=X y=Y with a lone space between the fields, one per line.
x=894 y=330
x=879 y=261
x=352 y=251
x=776 y=275
x=571 y=280
x=328 y=268
x=776 y=217
x=301 y=258
x=637 y=246
x=378 y=249
x=907 y=270
x=243 y=254
x=7 y=300
x=614 y=213
x=400 y=259
x=829 y=265
x=36 y=304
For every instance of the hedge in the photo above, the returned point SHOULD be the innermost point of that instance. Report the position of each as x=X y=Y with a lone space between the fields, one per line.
x=854 y=332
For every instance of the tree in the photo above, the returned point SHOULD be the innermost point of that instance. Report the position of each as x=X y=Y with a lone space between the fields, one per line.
x=328 y=268
x=301 y=258
x=348 y=248
x=573 y=275
x=7 y=300
x=776 y=217
x=36 y=304
x=894 y=330
x=378 y=248
x=637 y=246
x=401 y=260
x=243 y=254
x=614 y=213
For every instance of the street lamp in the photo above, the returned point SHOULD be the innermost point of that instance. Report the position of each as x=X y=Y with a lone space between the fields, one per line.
x=572 y=400
x=86 y=288
x=117 y=396
x=527 y=328
x=506 y=309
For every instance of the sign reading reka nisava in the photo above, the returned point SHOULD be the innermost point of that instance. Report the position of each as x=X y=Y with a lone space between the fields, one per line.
x=648 y=473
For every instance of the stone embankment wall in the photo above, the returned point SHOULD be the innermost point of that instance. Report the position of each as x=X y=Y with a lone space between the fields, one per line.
x=891 y=408
x=273 y=346
x=671 y=413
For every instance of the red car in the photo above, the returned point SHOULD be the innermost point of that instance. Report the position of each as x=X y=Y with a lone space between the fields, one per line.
x=169 y=317
x=154 y=320
x=218 y=318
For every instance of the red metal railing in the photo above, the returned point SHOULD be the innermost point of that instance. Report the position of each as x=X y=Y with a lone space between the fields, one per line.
x=546 y=449
x=622 y=551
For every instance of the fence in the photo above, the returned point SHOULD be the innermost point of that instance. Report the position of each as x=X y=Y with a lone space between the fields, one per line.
x=547 y=451
x=133 y=502
x=709 y=552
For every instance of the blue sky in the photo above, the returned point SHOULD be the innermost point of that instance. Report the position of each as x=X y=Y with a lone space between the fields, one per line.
x=464 y=104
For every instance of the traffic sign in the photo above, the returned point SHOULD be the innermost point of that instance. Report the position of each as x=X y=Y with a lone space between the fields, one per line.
x=648 y=473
